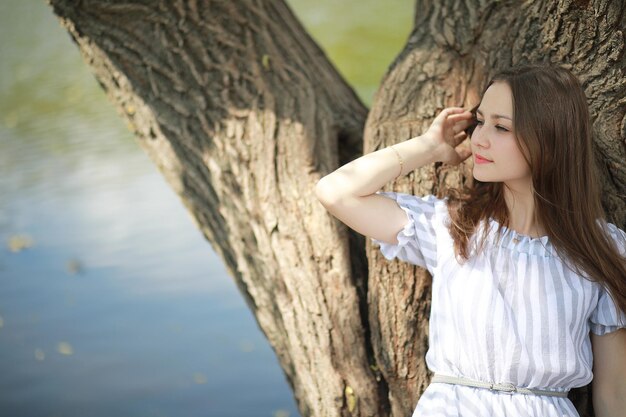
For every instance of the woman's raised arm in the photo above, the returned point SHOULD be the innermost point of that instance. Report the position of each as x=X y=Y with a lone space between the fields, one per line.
x=348 y=193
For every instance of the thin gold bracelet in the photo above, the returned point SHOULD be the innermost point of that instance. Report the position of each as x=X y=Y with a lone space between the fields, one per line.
x=399 y=160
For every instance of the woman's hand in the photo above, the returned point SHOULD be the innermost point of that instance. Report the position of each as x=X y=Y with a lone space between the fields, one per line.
x=447 y=131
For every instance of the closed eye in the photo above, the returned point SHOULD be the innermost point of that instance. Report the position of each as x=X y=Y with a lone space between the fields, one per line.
x=500 y=128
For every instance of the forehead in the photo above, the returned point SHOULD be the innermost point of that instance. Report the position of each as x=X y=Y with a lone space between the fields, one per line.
x=497 y=99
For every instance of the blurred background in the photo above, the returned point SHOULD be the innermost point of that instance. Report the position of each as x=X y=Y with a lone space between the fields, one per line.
x=111 y=302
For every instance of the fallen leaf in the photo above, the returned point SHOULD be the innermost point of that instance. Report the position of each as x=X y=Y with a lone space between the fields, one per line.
x=65 y=348
x=199 y=378
x=281 y=413
x=74 y=266
x=19 y=242
x=265 y=60
x=350 y=398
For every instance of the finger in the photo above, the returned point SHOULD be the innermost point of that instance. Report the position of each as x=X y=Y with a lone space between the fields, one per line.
x=454 y=160
x=461 y=125
x=455 y=113
x=462 y=118
x=459 y=138
x=463 y=152
x=460 y=135
x=465 y=115
x=460 y=155
x=447 y=112
x=454 y=110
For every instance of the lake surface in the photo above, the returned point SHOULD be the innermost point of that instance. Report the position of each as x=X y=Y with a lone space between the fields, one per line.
x=111 y=301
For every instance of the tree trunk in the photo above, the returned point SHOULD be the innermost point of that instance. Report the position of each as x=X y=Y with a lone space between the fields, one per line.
x=242 y=113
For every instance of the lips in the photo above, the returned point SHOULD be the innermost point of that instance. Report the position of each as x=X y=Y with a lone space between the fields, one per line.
x=480 y=159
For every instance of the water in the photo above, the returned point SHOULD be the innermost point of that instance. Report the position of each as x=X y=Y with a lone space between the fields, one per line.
x=105 y=308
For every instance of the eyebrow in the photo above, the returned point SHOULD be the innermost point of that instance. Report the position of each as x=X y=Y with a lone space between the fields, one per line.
x=495 y=116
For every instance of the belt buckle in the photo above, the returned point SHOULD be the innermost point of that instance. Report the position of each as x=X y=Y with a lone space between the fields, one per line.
x=506 y=387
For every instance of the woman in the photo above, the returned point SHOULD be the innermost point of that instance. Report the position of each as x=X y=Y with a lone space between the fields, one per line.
x=529 y=279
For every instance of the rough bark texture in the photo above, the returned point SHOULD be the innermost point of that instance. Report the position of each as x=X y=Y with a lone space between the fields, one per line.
x=243 y=113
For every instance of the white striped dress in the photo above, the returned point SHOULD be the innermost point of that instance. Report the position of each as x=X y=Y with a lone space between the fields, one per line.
x=512 y=314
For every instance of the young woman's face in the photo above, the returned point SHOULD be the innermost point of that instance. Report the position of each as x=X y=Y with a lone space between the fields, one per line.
x=496 y=155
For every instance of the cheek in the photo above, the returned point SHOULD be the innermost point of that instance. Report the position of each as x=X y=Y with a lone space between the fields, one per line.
x=515 y=157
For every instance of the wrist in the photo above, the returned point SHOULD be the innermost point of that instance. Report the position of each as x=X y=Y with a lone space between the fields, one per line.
x=431 y=146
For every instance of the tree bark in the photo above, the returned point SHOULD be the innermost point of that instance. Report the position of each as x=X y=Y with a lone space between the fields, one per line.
x=242 y=113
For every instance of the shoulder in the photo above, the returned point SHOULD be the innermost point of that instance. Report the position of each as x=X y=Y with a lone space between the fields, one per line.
x=426 y=212
x=617 y=235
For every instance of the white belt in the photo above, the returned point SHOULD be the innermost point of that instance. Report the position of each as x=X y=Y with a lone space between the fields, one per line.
x=505 y=387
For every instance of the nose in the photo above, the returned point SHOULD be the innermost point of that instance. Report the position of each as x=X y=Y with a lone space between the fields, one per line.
x=478 y=138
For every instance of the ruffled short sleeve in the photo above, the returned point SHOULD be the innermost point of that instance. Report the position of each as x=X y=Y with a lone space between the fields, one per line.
x=417 y=240
x=606 y=317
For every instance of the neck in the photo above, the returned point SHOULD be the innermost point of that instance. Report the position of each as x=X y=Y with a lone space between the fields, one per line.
x=520 y=203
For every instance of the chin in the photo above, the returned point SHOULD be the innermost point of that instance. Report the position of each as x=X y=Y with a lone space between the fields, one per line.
x=482 y=178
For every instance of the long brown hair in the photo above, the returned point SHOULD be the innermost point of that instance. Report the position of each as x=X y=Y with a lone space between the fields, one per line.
x=552 y=129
